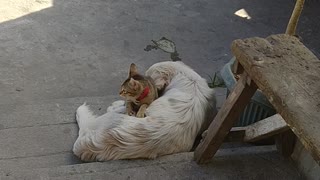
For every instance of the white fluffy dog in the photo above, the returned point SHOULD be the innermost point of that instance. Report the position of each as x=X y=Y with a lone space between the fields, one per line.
x=171 y=125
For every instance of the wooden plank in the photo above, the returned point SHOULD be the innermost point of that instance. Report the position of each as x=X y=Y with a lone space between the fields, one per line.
x=224 y=120
x=237 y=68
x=285 y=143
x=265 y=128
x=289 y=75
x=236 y=134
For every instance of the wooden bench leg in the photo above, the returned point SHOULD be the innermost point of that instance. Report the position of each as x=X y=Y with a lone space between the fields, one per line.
x=226 y=117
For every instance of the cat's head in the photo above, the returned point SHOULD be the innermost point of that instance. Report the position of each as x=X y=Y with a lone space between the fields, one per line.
x=131 y=88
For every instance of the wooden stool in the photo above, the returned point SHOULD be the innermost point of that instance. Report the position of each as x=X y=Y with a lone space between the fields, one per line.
x=289 y=76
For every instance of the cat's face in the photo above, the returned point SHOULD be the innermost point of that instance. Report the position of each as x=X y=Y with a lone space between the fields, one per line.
x=131 y=89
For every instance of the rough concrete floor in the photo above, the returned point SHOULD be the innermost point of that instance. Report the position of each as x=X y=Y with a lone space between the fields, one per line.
x=81 y=48
x=56 y=54
x=242 y=163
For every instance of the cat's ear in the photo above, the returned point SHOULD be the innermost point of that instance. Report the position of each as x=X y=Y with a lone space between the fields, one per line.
x=133 y=70
x=133 y=83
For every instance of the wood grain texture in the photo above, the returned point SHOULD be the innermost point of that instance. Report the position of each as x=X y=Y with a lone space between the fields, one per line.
x=289 y=75
x=265 y=128
x=236 y=134
x=237 y=68
x=225 y=119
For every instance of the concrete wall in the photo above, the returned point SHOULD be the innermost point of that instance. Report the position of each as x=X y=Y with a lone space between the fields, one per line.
x=308 y=167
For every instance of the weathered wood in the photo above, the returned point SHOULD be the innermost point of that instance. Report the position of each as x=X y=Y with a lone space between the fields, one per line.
x=236 y=134
x=237 y=68
x=289 y=75
x=224 y=120
x=265 y=128
x=285 y=143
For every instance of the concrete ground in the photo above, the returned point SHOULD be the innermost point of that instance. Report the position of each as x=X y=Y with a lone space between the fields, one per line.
x=241 y=163
x=56 y=54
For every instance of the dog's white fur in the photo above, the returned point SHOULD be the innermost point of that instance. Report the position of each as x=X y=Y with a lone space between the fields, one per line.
x=171 y=124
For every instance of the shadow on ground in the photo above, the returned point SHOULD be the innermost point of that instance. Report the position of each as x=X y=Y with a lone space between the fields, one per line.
x=54 y=59
x=83 y=48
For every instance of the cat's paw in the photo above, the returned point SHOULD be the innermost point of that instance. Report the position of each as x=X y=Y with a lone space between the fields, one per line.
x=132 y=113
x=140 y=115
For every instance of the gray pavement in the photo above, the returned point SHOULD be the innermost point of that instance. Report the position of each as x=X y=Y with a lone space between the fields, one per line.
x=56 y=54
x=82 y=48
x=239 y=163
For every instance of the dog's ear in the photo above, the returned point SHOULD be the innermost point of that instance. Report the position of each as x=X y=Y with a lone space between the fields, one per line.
x=133 y=70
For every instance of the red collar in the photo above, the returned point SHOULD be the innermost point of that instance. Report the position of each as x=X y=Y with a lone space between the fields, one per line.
x=144 y=93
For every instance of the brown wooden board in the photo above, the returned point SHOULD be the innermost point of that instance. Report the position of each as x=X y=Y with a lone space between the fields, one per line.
x=289 y=75
x=265 y=128
x=224 y=120
x=236 y=134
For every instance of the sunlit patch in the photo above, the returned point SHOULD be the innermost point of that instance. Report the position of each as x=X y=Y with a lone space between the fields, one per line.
x=13 y=9
x=242 y=13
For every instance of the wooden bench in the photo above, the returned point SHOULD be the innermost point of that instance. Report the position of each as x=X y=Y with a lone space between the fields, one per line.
x=288 y=74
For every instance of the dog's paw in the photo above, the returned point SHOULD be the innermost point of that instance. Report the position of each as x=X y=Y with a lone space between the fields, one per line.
x=117 y=106
x=118 y=103
x=81 y=110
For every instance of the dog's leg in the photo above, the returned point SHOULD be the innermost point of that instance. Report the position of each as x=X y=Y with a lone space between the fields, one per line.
x=118 y=107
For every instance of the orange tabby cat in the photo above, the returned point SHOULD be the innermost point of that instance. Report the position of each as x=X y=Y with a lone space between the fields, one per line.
x=139 y=92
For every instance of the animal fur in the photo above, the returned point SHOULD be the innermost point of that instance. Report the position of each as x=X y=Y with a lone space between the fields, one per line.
x=132 y=89
x=172 y=123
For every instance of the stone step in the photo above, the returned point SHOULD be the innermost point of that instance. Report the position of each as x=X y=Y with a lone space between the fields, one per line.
x=36 y=141
x=41 y=134
x=257 y=162
x=53 y=112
